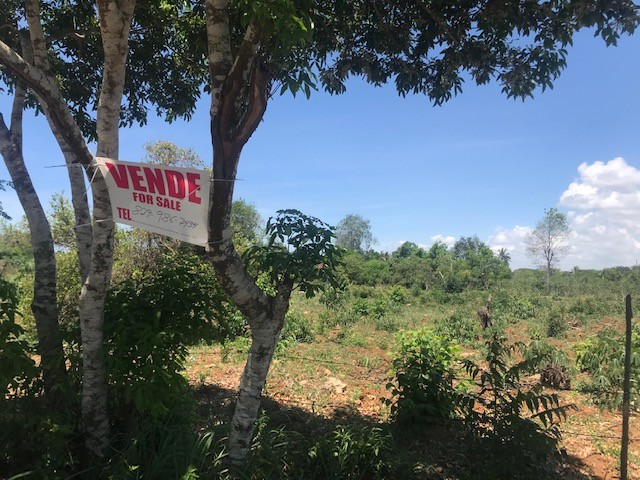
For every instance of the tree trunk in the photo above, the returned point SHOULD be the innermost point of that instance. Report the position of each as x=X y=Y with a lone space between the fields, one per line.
x=265 y=333
x=44 y=305
x=254 y=377
x=115 y=22
x=239 y=92
x=83 y=230
x=34 y=50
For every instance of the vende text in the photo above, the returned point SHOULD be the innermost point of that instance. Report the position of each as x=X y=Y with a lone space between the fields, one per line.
x=170 y=183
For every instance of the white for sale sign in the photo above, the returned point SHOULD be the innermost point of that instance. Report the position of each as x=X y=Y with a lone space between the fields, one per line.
x=162 y=199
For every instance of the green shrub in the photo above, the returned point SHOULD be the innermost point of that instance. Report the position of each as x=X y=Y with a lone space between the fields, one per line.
x=398 y=295
x=587 y=308
x=540 y=353
x=33 y=436
x=602 y=356
x=556 y=323
x=386 y=324
x=149 y=323
x=459 y=327
x=17 y=369
x=173 y=450
x=380 y=307
x=502 y=417
x=440 y=297
x=360 y=307
x=348 y=452
x=351 y=453
x=297 y=329
x=422 y=387
x=516 y=306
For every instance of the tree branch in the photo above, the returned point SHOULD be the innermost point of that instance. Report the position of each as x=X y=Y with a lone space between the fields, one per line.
x=38 y=42
x=49 y=94
x=115 y=23
x=258 y=97
x=16 y=113
x=238 y=88
x=219 y=46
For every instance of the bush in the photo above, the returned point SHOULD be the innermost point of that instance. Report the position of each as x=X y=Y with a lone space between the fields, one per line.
x=17 y=369
x=602 y=356
x=149 y=323
x=398 y=295
x=297 y=329
x=422 y=387
x=386 y=324
x=33 y=435
x=502 y=417
x=348 y=452
x=514 y=306
x=540 y=353
x=459 y=327
x=380 y=307
x=351 y=452
x=173 y=450
x=556 y=323
x=586 y=308
x=360 y=307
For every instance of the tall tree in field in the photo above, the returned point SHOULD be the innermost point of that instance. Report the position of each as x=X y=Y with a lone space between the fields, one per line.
x=547 y=243
x=256 y=47
x=77 y=76
x=354 y=232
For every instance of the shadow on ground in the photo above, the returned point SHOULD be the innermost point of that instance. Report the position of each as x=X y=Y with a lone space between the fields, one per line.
x=433 y=451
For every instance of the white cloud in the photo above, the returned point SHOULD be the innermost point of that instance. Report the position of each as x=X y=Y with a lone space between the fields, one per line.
x=448 y=240
x=512 y=240
x=604 y=214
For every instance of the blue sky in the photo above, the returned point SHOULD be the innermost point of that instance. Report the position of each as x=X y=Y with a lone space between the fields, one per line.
x=481 y=164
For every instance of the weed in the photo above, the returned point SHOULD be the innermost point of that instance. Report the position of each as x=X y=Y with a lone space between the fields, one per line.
x=422 y=387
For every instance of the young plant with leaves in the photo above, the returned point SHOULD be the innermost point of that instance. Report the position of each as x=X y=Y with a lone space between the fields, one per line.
x=517 y=424
x=299 y=254
x=602 y=356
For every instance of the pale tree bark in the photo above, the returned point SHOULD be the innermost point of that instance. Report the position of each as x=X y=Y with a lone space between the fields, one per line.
x=115 y=20
x=83 y=229
x=239 y=88
x=44 y=305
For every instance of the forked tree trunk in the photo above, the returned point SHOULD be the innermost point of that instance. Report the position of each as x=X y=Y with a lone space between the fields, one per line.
x=239 y=90
x=115 y=18
x=44 y=305
x=264 y=315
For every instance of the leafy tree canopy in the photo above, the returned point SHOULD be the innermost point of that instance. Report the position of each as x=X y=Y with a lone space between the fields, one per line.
x=423 y=47
x=467 y=247
x=167 y=153
x=354 y=232
x=409 y=249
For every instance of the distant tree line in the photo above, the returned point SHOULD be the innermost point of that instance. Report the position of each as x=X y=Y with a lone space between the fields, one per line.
x=470 y=263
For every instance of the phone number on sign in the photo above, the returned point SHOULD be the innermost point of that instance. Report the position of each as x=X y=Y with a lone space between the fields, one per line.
x=163 y=217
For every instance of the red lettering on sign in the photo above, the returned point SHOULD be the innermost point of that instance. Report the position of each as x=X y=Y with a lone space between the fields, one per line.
x=119 y=174
x=193 y=187
x=136 y=178
x=155 y=180
x=175 y=184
